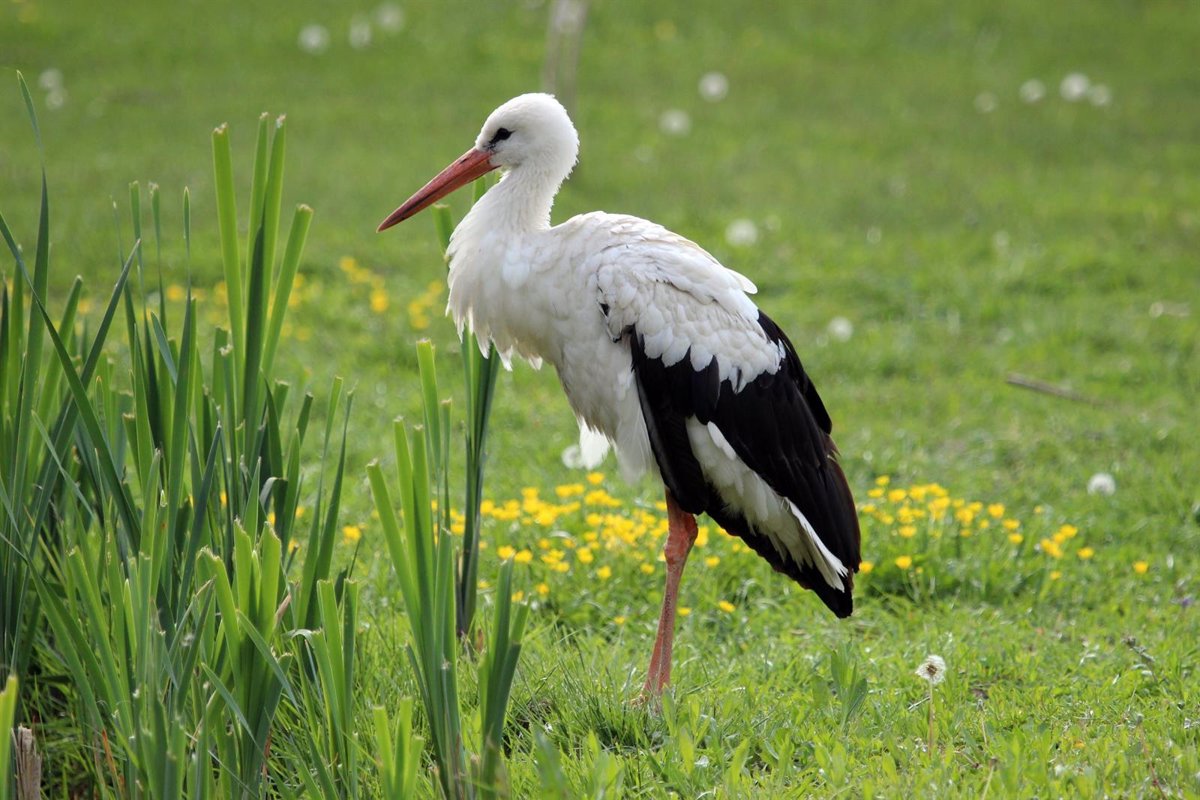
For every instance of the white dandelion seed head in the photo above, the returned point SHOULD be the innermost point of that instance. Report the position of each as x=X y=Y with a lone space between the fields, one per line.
x=714 y=86
x=360 y=31
x=1102 y=483
x=49 y=79
x=741 y=233
x=390 y=17
x=986 y=102
x=840 y=329
x=1032 y=91
x=1099 y=95
x=675 y=122
x=932 y=669
x=56 y=98
x=1074 y=86
x=314 y=39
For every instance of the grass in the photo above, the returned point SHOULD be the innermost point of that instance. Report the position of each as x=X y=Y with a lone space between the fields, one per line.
x=1054 y=240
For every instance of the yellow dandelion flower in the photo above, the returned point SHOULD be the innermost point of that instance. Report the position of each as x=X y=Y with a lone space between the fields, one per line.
x=293 y=545
x=726 y=606
x=1055 y=575
x=896 y=495
x=907 y=531
x=543 y=589
x=996 y=510
x=1141 y=567
x=604 y=573
x=965 y=515
x=568 y=490
x=523 y=557
x=1051 y=548
x=712 y=561
x=883 y=480
x=702 y=536
x=647 y=568
x=595 y=478
x=483 y=585
x=175 y=293
x=1067 y=532
x=683 y=611
x=347 y=263
x=518 y=596
x=584 y=554
x=875 y=493
x=1016 y=538
x=1010 y=524
x=903 y=562
x=1085 y=553
x=560 y=566
x=379 y=300
x=618 y=620
x=351 y=533
x=504 y=552
x=599 y=497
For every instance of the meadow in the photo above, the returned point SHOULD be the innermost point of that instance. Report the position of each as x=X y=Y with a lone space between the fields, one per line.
x=979 y=223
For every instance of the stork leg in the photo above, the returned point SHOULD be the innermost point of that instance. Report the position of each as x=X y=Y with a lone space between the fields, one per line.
x=681 y=534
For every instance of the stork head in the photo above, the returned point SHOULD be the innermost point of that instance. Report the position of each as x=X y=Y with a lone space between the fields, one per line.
x=529 y=134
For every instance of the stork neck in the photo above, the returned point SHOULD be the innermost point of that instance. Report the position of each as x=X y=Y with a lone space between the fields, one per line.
x=521 y=201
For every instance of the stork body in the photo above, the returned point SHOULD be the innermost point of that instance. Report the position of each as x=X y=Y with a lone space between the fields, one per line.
x=661 y=353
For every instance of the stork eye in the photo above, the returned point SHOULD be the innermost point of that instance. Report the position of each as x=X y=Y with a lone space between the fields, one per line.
x=501 y=135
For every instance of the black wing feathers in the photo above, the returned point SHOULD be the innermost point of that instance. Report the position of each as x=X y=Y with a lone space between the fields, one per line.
x=778 y=426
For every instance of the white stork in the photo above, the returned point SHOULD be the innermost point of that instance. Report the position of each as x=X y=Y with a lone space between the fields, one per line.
x=660 y=351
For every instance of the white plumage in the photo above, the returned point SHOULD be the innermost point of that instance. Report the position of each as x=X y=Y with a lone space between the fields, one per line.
x=638 y=321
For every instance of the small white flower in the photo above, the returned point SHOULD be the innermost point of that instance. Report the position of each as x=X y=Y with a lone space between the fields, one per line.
x=986 y=102
x=932 y=669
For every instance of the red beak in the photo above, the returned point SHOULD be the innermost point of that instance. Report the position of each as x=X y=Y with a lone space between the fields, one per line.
x=469 y=166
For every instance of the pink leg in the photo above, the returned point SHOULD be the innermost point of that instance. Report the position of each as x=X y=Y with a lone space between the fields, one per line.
x=680 y=536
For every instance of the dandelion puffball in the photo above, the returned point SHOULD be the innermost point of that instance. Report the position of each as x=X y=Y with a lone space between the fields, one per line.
x=932 y=669
x=1102 y=483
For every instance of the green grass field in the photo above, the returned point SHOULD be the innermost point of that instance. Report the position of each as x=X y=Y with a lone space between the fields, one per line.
x=928 y=227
